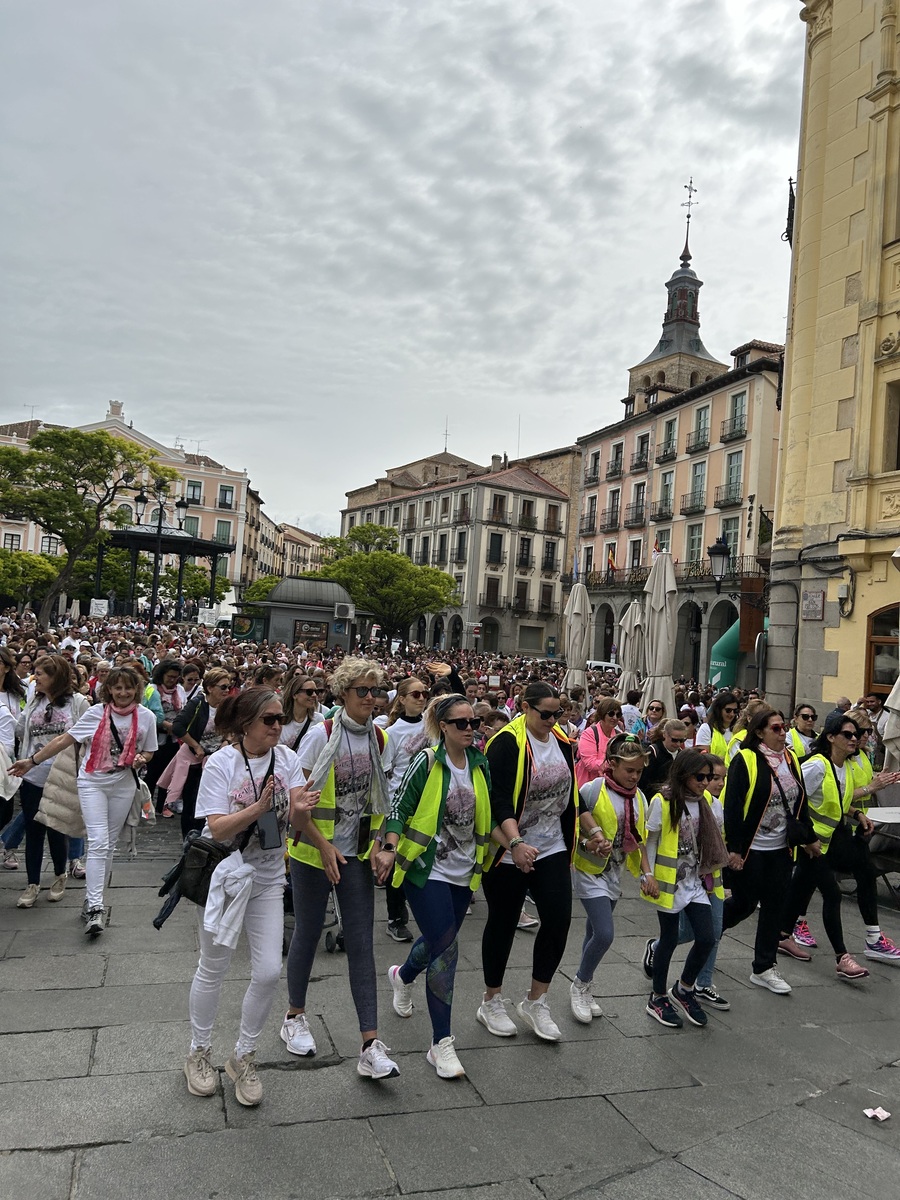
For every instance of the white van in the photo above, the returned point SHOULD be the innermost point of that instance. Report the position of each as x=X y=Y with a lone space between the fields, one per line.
x=595 y=664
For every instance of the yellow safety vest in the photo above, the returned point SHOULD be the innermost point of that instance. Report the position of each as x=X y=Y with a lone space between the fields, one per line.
x=717 y=743
x=796 y=742
x=830 y=813
x=665 y=868
x=863 y=773
x=604 y=814
x=733 y=746
x=422 y=828
x=323 y=818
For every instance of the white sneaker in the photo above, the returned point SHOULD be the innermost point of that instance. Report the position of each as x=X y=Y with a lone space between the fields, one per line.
x=57 y=889
x=772 y=980
x=596 y=1010
x=402 y=1001
x=493 y=1016
x=527 y=921
x=296 y=1035
x=376 y=1063
x=536 y=1013
x=443 y=1058
x=580 y=999
x=202 y=1078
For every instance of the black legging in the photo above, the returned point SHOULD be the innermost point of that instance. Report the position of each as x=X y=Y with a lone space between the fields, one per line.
x=505 y=887
x=847 y=854
x=158 y=763
x=189 y=800
x=700 y=917
x=764 y=880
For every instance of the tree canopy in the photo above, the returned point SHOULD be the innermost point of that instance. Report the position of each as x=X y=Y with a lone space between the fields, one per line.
x=361 y=539
x=390 y=587
x=195 y=584
x=259 y=589
x=25 y=577
x=69 y=482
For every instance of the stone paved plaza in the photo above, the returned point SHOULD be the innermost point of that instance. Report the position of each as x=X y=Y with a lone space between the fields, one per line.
x=766 y=1102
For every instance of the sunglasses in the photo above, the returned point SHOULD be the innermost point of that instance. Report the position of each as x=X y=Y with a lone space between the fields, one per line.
x=775 y=728
x=417 y=695
x=731 y=709
x=271 y=719
x=704 y=777
x=376 y=693
x=809 y=716
x=677 y=741
x=464 y=723
x=850 y=735
x=311 y=691
x=655 y=708
x=549 y=716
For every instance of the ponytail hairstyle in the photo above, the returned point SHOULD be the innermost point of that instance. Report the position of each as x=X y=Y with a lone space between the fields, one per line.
x=404 y=687
x=438 y=710
x=237 y=712
x=666 y=725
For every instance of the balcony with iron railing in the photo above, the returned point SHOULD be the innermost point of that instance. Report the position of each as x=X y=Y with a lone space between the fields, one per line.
x=462 y=516
x=460 y=556
x=614 y=468
x=588 y=523
x=524 y=561
x=498 y=516
x=409 y=524
x=734 y=428
x=519 y=606
x=494 y=558
x=440 y=558
x=552 y=525
x=635 y=515
x=491 y=600
x=547 y=608
x=527 y=521
x=609 y=519
x=729 y=495
x=697 y=572
x=550 y=565
x=693 y=502
x=640 y=460
x=697 y=440
x=224 y=503
x=422 y=558
x=666 y=452
x=662 y=510
x=592 y=476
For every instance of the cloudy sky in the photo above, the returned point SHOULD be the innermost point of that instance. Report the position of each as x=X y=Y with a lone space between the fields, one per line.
x=305 y=233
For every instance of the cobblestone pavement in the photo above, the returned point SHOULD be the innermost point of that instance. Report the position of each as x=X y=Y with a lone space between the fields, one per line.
x=767 y=1101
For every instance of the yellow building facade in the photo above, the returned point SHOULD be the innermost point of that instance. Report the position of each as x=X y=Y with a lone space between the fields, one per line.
x=835 y=596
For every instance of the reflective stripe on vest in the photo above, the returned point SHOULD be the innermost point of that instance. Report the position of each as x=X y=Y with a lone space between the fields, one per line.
x=604 y=814
x=666 y=865
x=422 y=828
x=863 y=773
x=831 y=813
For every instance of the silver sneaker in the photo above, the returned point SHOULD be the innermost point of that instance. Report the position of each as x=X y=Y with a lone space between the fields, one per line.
x=771 y=979
x=296 y=1035
x=402 y=999
x=376 y=1063
x=493 y=1016
x=202 y=1079
x=536 y=1014
x=95 y=923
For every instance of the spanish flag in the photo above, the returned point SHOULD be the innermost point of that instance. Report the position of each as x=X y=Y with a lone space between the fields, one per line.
x=611 y=559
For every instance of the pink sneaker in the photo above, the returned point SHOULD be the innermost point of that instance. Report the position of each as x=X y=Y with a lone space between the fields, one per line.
x=883 y=950
x=849 y=968
x=802 y=935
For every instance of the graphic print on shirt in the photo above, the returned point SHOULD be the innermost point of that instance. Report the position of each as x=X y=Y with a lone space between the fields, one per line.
x=688 y=839
x=408 y=747
x=352 y=776
x=548 y=797
x=774 y=821
x=244 y=795
x=456 y=836
x=43 y=731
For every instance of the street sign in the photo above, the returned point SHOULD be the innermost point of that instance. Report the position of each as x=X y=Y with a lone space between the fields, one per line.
x=476 y=631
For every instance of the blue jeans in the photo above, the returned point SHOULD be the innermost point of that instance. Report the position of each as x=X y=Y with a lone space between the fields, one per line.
x=439 y=909
x=76 y=848
x=14 y=832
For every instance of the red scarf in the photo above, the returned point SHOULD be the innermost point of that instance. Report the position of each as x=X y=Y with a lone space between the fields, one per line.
x=630 y=836
x=100 y=757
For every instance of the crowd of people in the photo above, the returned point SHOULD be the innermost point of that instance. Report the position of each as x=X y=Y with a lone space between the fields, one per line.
x=437 y=777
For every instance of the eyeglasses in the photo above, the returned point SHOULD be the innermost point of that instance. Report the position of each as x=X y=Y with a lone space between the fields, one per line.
x=850 y=734
x=311 y=691
x=704 y=776
x=271 y=719
x=775 y=728
x=549 y=716
x=464 y=723
x=376 y=693
x=809 y=716
x=417 y=695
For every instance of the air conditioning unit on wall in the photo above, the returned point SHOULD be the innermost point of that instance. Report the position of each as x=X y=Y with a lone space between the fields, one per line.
x=344 y=612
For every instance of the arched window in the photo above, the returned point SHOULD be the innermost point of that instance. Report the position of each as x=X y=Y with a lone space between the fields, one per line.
x=883 y=650
x=695 y=378
x=660 y=377
x=126 y=512
x=646 y=381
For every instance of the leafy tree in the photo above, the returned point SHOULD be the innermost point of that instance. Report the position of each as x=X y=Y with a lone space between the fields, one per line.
x=25 y=577
x=195 y=584
x=115 y=576
x=390 y=587
x=362 y=539
x=69 y=482
x=259 y=589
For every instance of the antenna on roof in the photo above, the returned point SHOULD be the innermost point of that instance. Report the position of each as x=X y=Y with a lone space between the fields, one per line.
x=179 y=444
x=519 y=438
x=31 y=408
x=198 y=445
x=446 y=432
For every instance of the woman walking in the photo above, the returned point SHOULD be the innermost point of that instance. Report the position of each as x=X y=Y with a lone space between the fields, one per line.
x=436 y=840
x=593 y=741
x=300 y=709
x=716 y=731
x=534 y=805
x=241 y=785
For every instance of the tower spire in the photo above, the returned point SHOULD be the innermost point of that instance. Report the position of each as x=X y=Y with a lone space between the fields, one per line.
x=688 y=204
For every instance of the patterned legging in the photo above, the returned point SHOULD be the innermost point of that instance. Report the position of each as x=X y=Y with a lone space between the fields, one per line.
x=439 y=909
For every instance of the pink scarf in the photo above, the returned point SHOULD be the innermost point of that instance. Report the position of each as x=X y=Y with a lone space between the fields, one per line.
x=171 y=696
x=100 y=758
x=630 y=837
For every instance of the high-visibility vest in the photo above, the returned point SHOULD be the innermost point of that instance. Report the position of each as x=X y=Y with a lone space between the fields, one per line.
x=718 y=886
x=604 y=814
x=324 y=813
x=863 y=773
x=830 y=813
x=733 y=746
x=665 y=868
x=796 y=742
x=718 y=744
x=423 y=826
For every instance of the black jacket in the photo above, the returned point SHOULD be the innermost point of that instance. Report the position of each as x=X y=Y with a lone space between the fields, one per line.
x=502 y=753
x=656 y=770
x=740 y=829
x=192 y=719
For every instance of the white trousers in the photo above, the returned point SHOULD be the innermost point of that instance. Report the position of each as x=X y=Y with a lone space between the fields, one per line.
x=264 y=927
x=105 y=803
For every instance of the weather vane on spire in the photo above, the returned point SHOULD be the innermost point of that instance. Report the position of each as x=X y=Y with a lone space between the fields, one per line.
x=688 y=204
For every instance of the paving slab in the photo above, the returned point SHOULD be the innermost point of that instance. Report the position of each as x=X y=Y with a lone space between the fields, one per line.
x=671 y=1124
x=518 y=1189
x=880 y=1039
x=116 y=939
x=671 y=1180
x=299 y=1162
x=42 y=1056
x=845 y=1105
x=763 y=1159
x=40 y=972
x=109 y=1109
x=36 y=1175
x=474 y=1146
x=90 y=1008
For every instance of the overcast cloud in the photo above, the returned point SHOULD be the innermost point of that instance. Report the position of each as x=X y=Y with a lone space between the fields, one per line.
x=305 y=232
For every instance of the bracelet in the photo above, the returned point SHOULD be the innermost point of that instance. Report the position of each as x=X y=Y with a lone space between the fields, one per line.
x=34 y=761
x=516 y=841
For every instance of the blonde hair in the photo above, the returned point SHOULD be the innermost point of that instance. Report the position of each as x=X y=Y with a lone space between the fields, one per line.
x=626 y=748
x=404 y=687
x=861 y=717
x=355 y=668
x=439 y=710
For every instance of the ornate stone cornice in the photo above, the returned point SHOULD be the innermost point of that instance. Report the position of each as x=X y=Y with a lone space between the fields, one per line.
x=819 y=18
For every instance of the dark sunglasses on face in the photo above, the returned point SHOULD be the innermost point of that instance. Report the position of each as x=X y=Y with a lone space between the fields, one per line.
x=376 y=693
x=677 y=741
x=731 y=709
x=704 y=776
x=655 y=708
x=775 y=728
x=549 y=716
x=850 y=734
x=311 y=691
x=810 y=716
x=464 y=723
x=271 y=719
x=417 y=695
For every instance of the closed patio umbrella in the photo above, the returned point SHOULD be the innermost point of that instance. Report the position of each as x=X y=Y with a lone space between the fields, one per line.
x=631 y=648
x=578 y=614
x=660 y=626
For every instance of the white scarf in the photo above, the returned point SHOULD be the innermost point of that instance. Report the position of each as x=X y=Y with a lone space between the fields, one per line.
x=378 y=786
